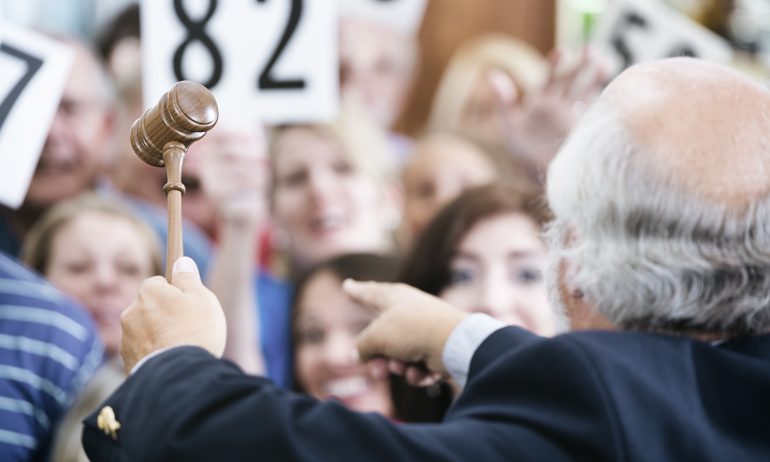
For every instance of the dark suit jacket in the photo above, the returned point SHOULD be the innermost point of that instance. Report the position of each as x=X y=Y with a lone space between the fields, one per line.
x=590 y=396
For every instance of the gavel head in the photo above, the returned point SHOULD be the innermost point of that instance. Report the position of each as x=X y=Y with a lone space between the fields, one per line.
x=184 y=114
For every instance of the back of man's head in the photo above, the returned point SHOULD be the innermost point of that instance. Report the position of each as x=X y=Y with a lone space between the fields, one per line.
x=664 y=188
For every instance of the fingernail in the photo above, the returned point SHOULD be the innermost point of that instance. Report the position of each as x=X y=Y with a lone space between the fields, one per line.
x=348 y=284
x=185 y=265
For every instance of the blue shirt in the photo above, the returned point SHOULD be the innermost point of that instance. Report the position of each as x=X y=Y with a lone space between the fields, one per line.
x=274 y=302
x=49 y=348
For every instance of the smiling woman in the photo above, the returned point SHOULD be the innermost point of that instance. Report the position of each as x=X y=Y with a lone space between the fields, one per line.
x=96 y=251
x=497 y=269
x=333 y=189
x=325 y=325
x=484 y=253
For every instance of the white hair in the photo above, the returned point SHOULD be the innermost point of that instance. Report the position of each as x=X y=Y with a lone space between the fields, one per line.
x=649 y=255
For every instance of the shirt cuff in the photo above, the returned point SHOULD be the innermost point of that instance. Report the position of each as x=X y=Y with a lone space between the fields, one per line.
x=155 y=353
x=463 y=342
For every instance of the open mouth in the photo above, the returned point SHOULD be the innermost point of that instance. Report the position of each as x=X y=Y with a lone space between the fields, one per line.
x=55 y=165
x=347 y=388
x=327 y=222
x=107 y=315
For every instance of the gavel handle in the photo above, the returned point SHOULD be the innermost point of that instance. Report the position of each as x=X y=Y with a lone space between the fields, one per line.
x=173 y=156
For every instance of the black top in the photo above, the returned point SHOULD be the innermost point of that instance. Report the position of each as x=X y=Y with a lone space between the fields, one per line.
x=582 y=396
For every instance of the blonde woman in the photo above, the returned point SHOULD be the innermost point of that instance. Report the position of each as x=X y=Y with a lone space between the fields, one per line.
x=332 y=191
x=97 y=251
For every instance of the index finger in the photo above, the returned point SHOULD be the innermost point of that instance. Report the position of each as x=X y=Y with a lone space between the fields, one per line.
x=374 y=295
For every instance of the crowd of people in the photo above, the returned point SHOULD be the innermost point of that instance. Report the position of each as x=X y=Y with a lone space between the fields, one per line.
x=528 y=200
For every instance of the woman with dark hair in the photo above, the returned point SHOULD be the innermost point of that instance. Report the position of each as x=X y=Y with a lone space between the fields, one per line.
x=325 y=324
x=484 y=253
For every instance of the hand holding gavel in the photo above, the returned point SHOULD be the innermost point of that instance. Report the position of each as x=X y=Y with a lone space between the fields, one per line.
x=161 y=136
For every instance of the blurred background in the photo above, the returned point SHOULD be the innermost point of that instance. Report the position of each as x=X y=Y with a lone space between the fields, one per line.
x=745 y=24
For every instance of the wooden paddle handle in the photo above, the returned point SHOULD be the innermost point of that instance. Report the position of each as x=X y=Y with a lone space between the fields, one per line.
x=161 y=136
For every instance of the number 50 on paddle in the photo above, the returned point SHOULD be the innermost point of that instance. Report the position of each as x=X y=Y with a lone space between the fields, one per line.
x=269 y=60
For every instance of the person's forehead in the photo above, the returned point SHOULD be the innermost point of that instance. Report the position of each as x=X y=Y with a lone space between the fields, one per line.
x=502 y=233
x=301 y=144
x=117 y=232
x=323 y=300
x=86 y=78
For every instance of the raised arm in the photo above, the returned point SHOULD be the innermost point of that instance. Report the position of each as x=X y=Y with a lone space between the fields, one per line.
x=234 y=177
x=185 y=404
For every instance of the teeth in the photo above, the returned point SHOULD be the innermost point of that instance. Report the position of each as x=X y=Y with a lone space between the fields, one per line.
x=329 y=222
x=343 y=388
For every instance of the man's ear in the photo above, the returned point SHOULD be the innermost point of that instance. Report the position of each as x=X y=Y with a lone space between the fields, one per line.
x=582 y=312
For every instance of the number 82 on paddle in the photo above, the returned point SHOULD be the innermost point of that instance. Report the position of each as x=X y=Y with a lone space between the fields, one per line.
x=271 y=60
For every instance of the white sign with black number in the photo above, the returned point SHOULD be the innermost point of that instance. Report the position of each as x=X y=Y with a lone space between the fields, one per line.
x=634 y=31
x=273 y=60
x=33 y=72
x=404 y=16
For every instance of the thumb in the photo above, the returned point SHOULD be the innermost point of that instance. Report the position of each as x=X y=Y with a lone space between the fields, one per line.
x=505 y=89
x=185 y=276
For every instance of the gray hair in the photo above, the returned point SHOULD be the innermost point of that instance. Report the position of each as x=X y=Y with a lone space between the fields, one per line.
x=649 y=255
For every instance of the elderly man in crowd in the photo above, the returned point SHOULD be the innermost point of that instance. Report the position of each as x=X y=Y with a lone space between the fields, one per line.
x=662 y=204
x=76 y=150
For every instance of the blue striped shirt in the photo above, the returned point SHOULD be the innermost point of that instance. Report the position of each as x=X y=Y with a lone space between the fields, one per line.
x=49 y=348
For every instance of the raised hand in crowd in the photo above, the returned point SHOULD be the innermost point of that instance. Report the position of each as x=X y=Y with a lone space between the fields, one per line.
x=534 y=129
x=234 y=175
x=234 y=179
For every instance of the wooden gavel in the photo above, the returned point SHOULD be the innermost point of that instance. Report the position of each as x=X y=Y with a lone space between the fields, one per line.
x=161 y=137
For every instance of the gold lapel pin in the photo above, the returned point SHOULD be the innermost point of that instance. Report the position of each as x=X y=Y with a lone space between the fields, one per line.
x=107 y=422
